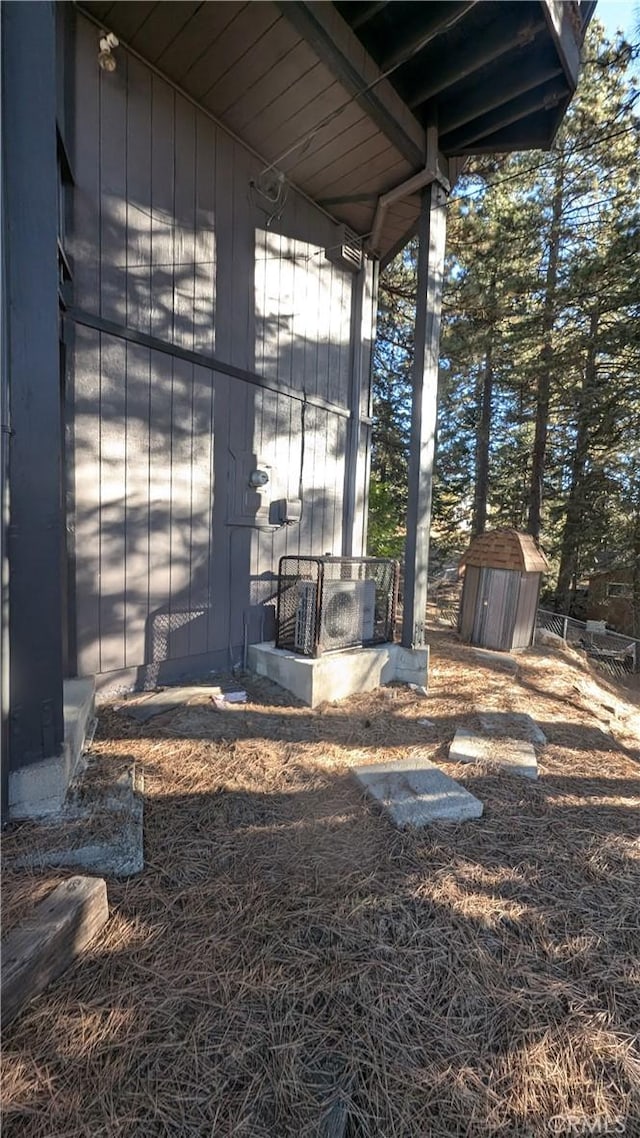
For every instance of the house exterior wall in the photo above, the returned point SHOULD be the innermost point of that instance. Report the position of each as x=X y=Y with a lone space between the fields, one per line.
x=203 y=343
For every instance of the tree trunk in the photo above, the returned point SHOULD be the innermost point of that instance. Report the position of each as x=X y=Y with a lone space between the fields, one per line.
x=483 y=433
x=635 y=548
x=575 y=518
x=543 y=391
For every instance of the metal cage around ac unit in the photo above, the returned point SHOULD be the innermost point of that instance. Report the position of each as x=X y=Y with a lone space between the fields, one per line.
x=329 y=603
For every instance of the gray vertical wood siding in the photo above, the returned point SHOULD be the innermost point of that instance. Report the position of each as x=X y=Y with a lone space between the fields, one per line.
x=525 y=621
x=495 y=607
x=469 y=601
x=169 y=241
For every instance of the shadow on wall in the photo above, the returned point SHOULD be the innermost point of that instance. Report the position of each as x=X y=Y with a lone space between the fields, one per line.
x=303 y=314
x=176 y=630
x=172 y=562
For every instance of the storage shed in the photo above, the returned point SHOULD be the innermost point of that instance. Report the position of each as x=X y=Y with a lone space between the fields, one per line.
x=502 y=576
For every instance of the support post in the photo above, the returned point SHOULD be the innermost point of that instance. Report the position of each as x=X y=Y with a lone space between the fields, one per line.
x=431 y=247
x=5 y=431
x=32 y=359
x=353 y=427
x=363 y=318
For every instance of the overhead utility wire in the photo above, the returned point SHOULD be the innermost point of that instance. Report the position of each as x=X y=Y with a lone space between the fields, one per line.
x=548 y=160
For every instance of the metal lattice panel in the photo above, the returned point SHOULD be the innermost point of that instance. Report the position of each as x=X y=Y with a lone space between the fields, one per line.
x=329 y=603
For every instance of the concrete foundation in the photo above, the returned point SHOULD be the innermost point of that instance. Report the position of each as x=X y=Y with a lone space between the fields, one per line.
x=414 y=792
x=100 y=827
x=39 y=790
x=339 y=674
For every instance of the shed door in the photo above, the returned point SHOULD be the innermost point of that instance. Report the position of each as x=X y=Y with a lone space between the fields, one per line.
x=527 y=607
x=495 y=608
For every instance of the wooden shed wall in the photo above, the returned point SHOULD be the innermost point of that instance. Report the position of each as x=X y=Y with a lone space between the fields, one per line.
x=495 y=608
x=187 y=304
x=498 y=608
x=469 y=601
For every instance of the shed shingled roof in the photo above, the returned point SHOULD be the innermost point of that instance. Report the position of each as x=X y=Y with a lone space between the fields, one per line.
x=506 y=549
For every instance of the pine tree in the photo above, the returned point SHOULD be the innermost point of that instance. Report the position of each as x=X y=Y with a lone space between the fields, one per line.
x=539 y=411
x=393 y=354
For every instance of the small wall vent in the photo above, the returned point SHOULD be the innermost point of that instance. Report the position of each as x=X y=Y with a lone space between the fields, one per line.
x=347 y=251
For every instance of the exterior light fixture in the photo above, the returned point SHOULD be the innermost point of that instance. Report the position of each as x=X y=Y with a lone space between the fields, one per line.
x=106 y=58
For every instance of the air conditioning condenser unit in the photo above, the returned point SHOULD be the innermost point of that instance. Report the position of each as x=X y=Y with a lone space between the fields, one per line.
x=328 y=603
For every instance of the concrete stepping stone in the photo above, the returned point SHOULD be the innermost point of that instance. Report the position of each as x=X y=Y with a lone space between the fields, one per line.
x=496 y=659
x=516 y=756
x=148 y=706
x=414 y=792
x=515 y=724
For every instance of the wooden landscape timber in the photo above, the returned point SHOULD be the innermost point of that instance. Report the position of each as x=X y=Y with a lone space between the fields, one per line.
x=50 y=940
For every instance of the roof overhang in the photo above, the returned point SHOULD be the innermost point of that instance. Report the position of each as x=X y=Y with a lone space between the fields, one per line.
x=353 y=99
x=493 y=76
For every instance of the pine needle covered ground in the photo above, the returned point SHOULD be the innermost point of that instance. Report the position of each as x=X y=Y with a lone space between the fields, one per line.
x=286 y=951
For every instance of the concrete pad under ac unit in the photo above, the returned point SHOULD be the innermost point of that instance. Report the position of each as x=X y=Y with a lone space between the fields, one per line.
x=337 y=675
x=414 y=793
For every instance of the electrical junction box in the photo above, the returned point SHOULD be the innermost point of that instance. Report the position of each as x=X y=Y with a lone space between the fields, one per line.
x=249 y=496
x=290 y=511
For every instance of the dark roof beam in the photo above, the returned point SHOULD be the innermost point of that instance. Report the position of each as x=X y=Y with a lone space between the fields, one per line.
x=509 y=139
x=415 y=38
x=455 y=142
x=465 y=63
x=587 y=8
x=473 y=109
x=330 y=38
x=567 y=37
x=349 y=199
x=367 y=12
